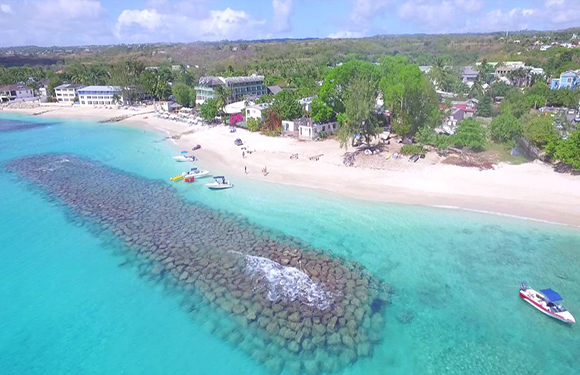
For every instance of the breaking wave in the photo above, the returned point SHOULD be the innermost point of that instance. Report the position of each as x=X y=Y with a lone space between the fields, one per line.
x=289 y=283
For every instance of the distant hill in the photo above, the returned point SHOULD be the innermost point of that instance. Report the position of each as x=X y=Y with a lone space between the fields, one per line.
x=246 y=56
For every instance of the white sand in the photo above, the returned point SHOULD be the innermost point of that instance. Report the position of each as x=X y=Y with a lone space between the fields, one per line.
x=531 y=190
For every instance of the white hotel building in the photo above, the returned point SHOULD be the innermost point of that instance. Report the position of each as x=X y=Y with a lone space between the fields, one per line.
x=15 y=93
x=100 y=95
x=67 y=93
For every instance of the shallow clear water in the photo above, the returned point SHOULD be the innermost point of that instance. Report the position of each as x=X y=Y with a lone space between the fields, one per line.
x=69 y=307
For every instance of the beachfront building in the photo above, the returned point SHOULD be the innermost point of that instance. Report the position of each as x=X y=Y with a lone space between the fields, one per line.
x=15 y=93
x=240 y=87
x=289 y=127
x=567 y=80
x=100 y=95
x=257 y=111
x=67 y=93
x=310 y=130
x=43 y=88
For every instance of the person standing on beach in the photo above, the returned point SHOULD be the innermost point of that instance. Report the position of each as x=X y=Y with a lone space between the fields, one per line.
x=245 y=169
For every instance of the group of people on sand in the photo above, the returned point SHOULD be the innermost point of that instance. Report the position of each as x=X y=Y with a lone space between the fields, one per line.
x=264 y=170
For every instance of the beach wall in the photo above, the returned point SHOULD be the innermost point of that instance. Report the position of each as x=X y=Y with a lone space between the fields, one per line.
x=287 y=305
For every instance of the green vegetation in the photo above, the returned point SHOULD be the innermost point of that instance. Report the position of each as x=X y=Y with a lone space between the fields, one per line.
x=156 y=83
x=470 y=134
x=539 y=129
x=288 y=105
x=332 y=92
x=359 y=116
x=427 y=136
x=268 y=98
x=502 y=152
x=484 y=106
x=567 y=150
x=412 y=150
x=223 y=94
x=253 y=124
x=505 y=128
x=519 y=104
x=209 y=110
x=319 y=111
x=183 y=94
x=409 y=94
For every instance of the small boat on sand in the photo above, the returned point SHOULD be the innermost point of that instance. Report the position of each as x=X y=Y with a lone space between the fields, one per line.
x=185 y=158
x=545 y=301
x=219 y=183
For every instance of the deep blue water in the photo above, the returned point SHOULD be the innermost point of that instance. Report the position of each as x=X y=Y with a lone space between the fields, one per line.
x=69 y=307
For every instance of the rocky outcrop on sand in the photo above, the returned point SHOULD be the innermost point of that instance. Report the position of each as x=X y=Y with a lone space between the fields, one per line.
x=287 y=305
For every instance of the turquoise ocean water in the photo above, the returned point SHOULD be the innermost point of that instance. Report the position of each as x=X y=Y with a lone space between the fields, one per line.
x=69 y=307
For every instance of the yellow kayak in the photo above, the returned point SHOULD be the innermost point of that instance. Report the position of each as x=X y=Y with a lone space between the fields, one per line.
x=176 y=178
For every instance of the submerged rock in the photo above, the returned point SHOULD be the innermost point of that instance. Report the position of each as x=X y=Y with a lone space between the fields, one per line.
x=293 y=299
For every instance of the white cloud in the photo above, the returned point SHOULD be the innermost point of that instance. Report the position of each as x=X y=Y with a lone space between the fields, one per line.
x=70 y=9
x=148 y=19
x=563 y=12
x=150 y=25
x=459 y=16
x=428 y=15
x=51 y=22
x=343 y=34
x=229 y=24
x=363 y=10
x=282 y=12
x=515 y=19
x=469 y=6
x=6 y=8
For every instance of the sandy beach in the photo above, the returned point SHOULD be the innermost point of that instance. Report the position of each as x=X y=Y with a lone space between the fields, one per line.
x=532 y=190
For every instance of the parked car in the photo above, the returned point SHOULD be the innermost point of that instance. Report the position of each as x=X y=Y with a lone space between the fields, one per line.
x=577 y=118
x=238 y=142
x=571 y=111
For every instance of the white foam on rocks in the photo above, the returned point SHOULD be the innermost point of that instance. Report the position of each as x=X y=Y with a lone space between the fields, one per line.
x=288 y=283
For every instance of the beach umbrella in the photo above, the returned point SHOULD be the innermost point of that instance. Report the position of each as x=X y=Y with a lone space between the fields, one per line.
x=184 y=152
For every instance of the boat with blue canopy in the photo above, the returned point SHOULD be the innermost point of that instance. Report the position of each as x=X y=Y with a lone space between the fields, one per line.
x=546 y=300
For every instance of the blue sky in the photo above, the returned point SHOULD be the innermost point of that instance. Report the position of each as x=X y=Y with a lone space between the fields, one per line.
x=80 y=22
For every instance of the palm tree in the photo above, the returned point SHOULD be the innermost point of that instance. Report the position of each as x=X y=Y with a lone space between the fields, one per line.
x=223 y=95
x=519 y=77
x=80 y=74
x=441 y=74
x=477 y=90
x=485 y=71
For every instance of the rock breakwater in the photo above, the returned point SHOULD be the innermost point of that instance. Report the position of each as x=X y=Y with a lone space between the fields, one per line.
x=291 y=307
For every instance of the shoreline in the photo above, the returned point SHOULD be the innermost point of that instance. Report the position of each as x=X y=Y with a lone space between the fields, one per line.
x=531 y=191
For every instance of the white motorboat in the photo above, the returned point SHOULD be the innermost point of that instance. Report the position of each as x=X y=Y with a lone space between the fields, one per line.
x=184 y=158
x=219 y=183
x=197 y=173
x=545 y=301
